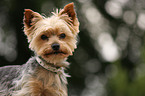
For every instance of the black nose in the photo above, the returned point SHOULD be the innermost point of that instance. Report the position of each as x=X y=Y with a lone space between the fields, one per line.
x=55 y=46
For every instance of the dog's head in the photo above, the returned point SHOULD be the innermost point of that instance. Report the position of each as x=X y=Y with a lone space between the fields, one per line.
x=53 y=38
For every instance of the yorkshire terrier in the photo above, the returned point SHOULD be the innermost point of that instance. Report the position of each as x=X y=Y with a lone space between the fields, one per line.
x=52 y=39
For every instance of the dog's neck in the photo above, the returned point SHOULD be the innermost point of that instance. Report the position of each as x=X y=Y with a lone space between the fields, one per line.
x=57 y=70
x=51 y=67
x=48 y=66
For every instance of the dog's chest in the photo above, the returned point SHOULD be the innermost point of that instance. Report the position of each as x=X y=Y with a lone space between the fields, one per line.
x=45 y=82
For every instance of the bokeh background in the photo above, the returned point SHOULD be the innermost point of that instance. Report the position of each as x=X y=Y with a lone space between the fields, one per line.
x=109 y=60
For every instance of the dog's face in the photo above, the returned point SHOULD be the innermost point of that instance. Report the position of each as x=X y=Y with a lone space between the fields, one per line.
x=53 y=38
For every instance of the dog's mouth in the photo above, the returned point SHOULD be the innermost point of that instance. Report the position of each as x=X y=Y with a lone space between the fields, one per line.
x=56 y=53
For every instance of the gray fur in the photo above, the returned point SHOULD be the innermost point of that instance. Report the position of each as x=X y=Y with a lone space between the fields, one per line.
x=9 y=75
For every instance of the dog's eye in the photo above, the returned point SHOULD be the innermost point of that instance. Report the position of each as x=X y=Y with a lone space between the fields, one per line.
x=44 y=37
x=62 y=36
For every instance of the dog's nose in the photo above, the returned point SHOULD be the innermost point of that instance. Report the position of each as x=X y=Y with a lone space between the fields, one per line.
x=55 y=46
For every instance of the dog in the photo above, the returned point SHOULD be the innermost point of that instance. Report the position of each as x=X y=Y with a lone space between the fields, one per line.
x=52 y=39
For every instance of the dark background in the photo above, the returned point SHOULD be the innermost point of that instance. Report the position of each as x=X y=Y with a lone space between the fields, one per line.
x=109 y=60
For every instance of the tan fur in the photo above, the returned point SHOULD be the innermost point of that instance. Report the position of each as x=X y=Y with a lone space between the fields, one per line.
x=42 y=82
x=51 y=84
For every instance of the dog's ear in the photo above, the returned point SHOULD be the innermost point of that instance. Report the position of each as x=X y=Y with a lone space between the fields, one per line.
x=30 y=18
x=70 y=11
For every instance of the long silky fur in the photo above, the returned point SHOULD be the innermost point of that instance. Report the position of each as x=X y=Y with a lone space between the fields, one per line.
x=35 y=80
